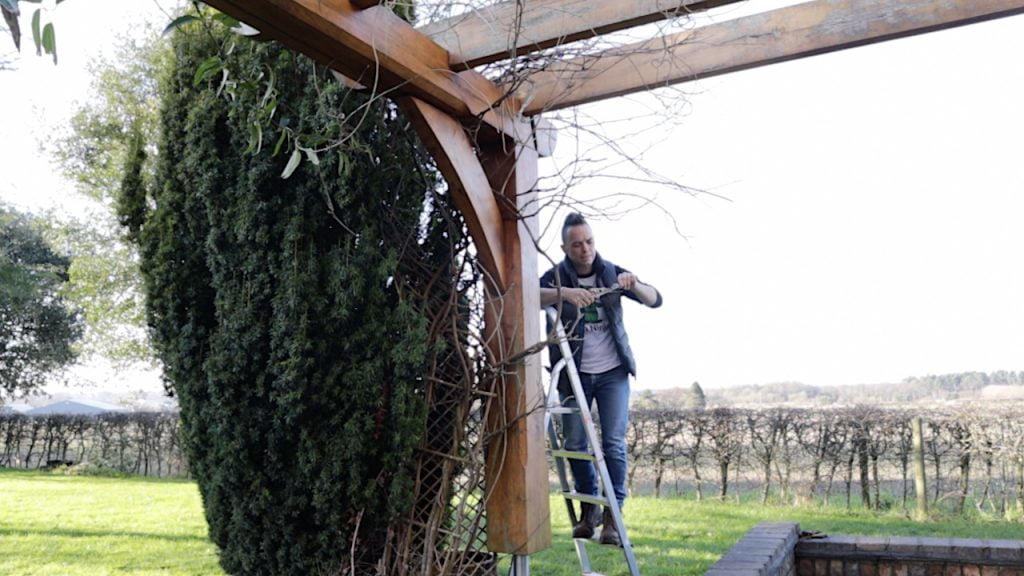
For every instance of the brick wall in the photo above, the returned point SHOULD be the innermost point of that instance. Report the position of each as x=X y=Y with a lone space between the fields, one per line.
x=767 y=550
x=902 y=556
x=776 y=549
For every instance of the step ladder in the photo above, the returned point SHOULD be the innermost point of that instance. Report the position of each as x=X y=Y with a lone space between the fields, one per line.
x=606 y=495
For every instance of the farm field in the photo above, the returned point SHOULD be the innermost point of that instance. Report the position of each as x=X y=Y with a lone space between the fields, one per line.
x=53 y=524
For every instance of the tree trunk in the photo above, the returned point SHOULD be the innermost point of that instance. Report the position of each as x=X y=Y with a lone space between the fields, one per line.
x=865 y=477
x=964 y=481
x=697 y=479
x=767 y=481
x=723 y=474
x=920 y=486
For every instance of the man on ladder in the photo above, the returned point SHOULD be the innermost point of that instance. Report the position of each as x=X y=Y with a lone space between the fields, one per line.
x=588 y=290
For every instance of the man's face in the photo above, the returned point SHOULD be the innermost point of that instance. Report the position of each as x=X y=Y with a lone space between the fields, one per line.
x=579 y=247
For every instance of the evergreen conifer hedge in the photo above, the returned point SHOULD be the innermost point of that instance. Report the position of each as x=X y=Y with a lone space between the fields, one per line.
x=296 y=319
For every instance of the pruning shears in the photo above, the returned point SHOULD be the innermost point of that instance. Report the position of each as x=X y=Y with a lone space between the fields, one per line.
x=598 y=292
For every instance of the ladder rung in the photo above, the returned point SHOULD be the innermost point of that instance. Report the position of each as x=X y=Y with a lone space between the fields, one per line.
x=589 y=498
x=571 y=455
x=563 y=410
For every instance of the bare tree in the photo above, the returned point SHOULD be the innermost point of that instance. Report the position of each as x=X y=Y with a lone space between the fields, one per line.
x=725 y=442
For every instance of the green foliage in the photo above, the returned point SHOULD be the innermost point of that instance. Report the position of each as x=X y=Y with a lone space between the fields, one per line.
x=697 y=399
x=291 y=316
x=104 y=152
x=37 y=327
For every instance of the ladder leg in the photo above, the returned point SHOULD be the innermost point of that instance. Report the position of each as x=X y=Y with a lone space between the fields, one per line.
x=594 y=457
x=520 y=566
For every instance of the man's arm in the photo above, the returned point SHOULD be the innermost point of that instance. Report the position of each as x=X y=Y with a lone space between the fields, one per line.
x=580 y=297
x=647 y=294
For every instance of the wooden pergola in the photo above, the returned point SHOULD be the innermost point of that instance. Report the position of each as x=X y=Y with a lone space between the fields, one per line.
x=486 y=137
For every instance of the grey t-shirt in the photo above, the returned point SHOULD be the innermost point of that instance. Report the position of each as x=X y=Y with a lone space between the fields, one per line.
x=599 y=353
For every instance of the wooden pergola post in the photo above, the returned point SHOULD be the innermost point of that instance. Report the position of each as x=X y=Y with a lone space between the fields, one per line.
x=517 y=466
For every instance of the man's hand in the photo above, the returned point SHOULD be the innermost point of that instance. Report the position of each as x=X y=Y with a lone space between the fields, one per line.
x=627 y=280
x=580 y=297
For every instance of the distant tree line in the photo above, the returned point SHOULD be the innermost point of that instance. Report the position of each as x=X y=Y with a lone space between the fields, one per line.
x=146 y=443
x=944 y=387
x=854 y=455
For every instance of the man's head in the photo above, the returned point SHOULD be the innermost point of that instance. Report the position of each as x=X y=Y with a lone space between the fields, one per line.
x=578 y=243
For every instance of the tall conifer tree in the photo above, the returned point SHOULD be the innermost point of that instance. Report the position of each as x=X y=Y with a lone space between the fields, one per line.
x=293 y=316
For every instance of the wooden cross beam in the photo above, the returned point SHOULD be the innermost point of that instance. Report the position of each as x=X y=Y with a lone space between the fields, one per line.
x=500 y=31
x=785 y=34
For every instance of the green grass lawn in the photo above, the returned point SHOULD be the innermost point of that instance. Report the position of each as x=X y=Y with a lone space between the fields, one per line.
x=57 y=525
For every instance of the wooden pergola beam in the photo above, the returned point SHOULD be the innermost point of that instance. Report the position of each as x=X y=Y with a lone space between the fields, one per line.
x=512 y=28
x=379 y=50
x=780 y=35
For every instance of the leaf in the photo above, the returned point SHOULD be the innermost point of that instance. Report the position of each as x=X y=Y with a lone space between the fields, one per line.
x=244 y=29
x=37 y=37
x=270 y=108
x=255 y=139
x=50 y=41
x=178 y=22
x=293 y=163
x=269 y=93
x=224 y=83
x=208 y=68
x=280 y=141
x=225 y=19
x=311 y=156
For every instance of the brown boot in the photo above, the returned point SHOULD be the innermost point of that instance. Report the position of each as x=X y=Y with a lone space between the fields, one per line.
x=609 y=534
x=589 y=519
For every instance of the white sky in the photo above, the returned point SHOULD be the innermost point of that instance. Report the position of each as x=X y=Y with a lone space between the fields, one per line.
x=873 y=229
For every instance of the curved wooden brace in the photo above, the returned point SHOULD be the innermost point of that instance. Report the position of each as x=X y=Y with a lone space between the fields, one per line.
x=447 y=141
x=493 y=185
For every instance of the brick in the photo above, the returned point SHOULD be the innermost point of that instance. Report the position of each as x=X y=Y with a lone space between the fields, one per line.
x=1005 y=550
x=805 y=567
x=835 y=568
x=969 y=550
x=916 y=569
x=752 y=567
x=872 y=544
x=934 y=568
x=904 y=544
x=868 y=569
x=1007 y=571
x=953 y=569
x=851 y=568
x=788 y=566
x=838 y=544
x=885 y=568
x=972 y=570
x=820 y=567
x=989 y=571
x=938 y=548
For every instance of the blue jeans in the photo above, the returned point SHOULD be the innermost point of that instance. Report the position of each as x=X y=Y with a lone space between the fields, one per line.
x=611 y=391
